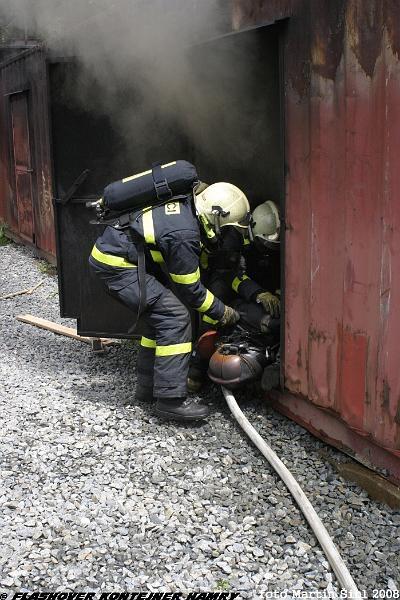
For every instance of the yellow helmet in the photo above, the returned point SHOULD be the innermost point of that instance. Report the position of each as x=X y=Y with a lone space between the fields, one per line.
x=265 y=224
x=222 y=204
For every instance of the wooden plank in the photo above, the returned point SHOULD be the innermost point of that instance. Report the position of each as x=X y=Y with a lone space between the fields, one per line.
x=21 y=292
x=60 y=329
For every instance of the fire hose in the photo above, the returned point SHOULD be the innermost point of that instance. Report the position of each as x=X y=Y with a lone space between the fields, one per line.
x=323 y=537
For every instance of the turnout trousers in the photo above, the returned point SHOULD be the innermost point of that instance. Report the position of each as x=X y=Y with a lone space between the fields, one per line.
x=166 y=344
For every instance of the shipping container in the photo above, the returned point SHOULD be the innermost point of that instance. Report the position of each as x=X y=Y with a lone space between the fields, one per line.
x=341 y=375
x=25 y=157
x=308 y=115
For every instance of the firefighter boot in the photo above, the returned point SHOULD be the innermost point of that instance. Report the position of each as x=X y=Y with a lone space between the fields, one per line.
x=181 y=409
x=143 y=394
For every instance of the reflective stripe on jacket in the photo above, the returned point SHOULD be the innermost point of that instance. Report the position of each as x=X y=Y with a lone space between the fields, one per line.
x=245 y=287
x=172 y=236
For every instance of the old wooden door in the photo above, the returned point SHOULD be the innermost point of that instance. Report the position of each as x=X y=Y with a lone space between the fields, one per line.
x=22 y=165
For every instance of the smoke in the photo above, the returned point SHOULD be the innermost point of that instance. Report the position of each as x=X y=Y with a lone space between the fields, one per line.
x=144 y=64
x=124 y=47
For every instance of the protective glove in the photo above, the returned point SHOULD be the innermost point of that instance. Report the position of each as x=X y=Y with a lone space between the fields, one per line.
x=270 y=303
x=230 y=317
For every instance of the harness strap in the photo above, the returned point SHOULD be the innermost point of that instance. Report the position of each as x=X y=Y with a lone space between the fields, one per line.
x=161 y=186
x=141 y=276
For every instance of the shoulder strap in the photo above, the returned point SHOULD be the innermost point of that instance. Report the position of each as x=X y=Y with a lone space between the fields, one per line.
x=161 y=186
x=141 y=276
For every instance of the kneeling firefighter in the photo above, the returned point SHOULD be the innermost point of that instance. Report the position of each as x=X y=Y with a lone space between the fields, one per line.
x=161 y=224
x=259 y=309
x=224 y=266
x=245 y=356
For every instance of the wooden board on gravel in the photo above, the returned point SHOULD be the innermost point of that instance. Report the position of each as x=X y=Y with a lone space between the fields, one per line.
x=70 y=332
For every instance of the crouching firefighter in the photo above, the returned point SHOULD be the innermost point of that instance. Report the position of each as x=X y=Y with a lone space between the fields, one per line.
x=153 y=246
x=228 y=278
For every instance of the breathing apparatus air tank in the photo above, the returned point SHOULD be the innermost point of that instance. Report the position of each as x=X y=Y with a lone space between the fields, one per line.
x=150 y=187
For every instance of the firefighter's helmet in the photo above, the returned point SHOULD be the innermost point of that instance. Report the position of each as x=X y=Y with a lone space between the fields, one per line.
x=265 y=225
x=222 y=204
x=233 y=365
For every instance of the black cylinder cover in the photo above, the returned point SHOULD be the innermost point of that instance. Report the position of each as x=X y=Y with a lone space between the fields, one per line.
x=138 y=191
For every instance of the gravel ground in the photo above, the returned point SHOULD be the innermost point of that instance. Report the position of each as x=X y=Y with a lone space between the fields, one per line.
x=97 y=494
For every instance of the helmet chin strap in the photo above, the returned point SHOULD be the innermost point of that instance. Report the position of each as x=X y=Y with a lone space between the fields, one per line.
x=250 y=225
x=218 y=212
x=217 y=223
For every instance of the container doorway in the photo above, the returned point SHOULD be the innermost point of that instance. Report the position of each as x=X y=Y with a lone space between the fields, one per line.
x=238 y=126
x=230 y=126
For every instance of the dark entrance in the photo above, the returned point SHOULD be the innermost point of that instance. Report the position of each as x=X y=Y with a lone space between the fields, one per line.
x=237 y=114
x=22 y=165
x=231 y=130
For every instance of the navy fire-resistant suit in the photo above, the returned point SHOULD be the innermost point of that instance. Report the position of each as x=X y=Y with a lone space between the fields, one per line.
x=172 y=240
x=223 y=274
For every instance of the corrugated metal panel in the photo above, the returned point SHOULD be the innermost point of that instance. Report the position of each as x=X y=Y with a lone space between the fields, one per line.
x=22 y=164
x=3 y=165
x=342 y=93
x=27 y=74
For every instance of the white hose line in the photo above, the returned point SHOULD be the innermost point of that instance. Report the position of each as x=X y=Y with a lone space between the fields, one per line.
x=332 y=554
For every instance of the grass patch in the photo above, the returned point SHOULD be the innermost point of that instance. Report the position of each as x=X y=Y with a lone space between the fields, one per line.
x=222 y=584
x=46 y=268
x=4 y=239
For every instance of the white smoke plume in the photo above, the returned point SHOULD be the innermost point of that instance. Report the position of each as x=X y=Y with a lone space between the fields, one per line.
x=124 y=45
x=144 y=62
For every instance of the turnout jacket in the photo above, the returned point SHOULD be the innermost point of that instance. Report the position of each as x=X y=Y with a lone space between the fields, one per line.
x=227 y=262
x=171 y=237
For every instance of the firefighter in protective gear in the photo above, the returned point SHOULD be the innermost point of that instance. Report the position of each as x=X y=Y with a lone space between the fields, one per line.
x=265 y=226
x=265 y=231
x=170 y=234
x=225 y=275
x=225 y=268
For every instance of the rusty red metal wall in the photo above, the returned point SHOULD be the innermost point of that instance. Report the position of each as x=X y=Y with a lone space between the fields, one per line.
x=26 y=75
x=342 y=318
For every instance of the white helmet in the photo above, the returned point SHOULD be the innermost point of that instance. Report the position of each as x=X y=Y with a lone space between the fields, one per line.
x=265 y=224
x=222 y=204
